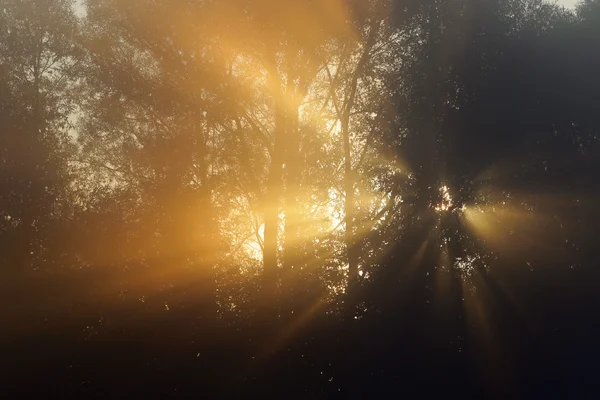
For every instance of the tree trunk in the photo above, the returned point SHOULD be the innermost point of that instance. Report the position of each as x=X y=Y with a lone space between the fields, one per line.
x=210 y=237
x=292 y=172
x=352 y=258
x=272 y=205
x=347 y=106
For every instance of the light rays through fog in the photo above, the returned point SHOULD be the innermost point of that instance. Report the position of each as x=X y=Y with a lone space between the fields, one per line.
x=499 y=232
x=282 y=87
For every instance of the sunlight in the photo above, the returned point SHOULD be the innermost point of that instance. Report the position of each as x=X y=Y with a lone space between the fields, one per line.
x=446 y=202
x=519 y=225
x=503 y=227
x=467 y=264
x=253 y=247
x=443 y=276
x=330 y=184
x=476 y=296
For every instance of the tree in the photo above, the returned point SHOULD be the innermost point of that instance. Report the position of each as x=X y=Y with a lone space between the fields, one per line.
x=39 y=61
x=153 y=124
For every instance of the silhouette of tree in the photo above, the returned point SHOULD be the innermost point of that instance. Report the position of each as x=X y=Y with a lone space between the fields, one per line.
x=347 y=194
x=39 y=64
x=153 y=125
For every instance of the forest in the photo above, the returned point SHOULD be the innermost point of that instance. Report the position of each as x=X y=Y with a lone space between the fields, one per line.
x=299 y=199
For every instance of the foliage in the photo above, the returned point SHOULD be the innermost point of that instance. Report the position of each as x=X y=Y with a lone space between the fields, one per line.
x=276 y=167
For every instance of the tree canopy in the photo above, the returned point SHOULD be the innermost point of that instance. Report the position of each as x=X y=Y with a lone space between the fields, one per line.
x=282 y=188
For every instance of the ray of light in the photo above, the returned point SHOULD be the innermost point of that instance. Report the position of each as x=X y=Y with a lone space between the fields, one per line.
x=488 y=348
x=507 y=229
x=443 y=278
x=285 y=335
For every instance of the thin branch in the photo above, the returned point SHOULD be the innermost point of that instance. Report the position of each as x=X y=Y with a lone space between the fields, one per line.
x=109 y=168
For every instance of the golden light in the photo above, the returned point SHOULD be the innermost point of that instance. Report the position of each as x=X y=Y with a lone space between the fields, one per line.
x=446 y=202
x=506 y=228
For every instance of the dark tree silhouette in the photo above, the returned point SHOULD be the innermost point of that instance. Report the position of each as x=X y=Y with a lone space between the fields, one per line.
x=299 y=199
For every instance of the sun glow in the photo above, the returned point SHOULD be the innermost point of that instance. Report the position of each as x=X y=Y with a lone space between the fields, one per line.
x=446 y=202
